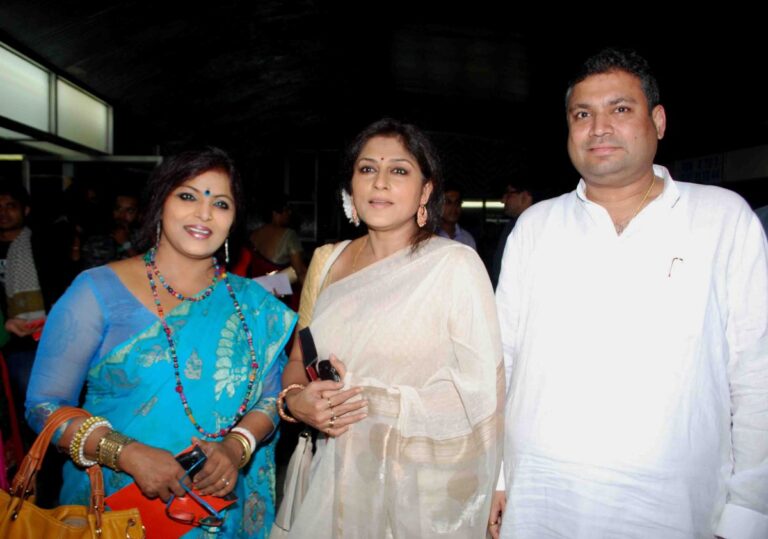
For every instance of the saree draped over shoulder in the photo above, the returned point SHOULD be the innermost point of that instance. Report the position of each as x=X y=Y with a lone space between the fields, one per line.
x=130 y=378
x=418 y=331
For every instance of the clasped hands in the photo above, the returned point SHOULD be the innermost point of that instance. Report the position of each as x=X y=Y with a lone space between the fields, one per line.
x=326 y=406
x=158 y=473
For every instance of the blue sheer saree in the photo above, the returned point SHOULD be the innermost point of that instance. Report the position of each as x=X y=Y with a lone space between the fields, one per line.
x=101 y=335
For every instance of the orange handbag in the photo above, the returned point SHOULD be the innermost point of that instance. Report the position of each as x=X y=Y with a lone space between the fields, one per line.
x=20 y=518
x=154 y=513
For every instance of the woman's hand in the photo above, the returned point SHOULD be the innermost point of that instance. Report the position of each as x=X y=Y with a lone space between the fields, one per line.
x=22 y=327
x=498 y=506
x=325 y=406
x=220 y=471
x=155 y=471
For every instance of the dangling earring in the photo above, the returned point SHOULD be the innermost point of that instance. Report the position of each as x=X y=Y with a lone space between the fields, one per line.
x=349 y=208
x=157 y=238
x=421 y=216
x=226 y=251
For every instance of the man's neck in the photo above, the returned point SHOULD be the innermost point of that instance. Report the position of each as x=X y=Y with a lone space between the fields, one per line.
x=449 y=228
x=10 y=234
x=624 y=202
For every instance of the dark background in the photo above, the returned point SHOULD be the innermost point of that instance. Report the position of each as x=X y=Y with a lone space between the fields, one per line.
x=284 y=84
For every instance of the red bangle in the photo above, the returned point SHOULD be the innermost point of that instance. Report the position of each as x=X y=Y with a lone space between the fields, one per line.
x=281 y=403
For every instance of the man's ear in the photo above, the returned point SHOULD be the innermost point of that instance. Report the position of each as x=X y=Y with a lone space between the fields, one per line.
x=659 y=117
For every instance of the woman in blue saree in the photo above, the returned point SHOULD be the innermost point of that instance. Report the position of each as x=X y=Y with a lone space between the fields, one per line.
x=172 y=352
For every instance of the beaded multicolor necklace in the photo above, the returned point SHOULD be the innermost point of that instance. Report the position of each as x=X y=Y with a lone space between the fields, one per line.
x=151 y=267
x=178 y=295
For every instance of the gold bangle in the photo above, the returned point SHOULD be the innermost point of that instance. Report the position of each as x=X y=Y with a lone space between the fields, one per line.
x=105 y=450
x=110 y=447
x=76 y=446
x=246 y=456
x=116 y=456
x=281 y=403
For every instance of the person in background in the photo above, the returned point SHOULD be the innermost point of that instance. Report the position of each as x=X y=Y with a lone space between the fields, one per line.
x=449 y=221
x=517 y=198
x=762 y=214
x=120 y=242
x=29 y=284
x=276 y=247
x=125 y=215
x=22 y=299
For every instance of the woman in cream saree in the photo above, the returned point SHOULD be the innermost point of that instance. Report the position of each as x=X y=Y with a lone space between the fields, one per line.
x=417 y=332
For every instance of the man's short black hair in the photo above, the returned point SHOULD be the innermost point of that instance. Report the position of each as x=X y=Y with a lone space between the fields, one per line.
x=15 y=190
x=450 y=186
x=520 y=186
x=627 y=60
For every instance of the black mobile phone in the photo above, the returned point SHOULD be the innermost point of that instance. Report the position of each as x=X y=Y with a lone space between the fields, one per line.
x=192 y=460
x=327 y=371
x=316 y=368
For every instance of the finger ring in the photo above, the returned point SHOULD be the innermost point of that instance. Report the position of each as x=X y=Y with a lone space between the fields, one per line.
x=330 y=406
x=226 y=481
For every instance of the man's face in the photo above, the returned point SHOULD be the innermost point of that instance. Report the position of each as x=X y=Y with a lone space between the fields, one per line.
x=126 y=210
x=452 y=207
x=12 y=213
x=515 y=201
x=612 y=136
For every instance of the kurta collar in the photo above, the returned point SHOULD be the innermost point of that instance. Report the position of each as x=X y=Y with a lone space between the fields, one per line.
x=666 y=201
x=669 y=196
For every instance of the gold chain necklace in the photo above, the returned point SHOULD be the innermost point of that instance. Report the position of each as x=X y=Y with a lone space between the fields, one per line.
x=620 y=227
x=357 y=254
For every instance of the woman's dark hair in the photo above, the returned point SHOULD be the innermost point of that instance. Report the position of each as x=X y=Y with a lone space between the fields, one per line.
x=418 y=144
x=177 y=169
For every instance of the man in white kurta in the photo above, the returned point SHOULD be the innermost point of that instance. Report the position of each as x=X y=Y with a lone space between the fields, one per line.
x=634 y=316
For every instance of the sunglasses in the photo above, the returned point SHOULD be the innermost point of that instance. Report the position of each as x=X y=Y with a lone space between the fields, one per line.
x=212 y=521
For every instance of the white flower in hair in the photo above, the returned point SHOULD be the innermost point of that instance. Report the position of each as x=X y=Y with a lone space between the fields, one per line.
x=346 y=202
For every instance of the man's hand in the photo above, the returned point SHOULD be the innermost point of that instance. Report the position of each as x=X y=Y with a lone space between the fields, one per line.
x=498 y=505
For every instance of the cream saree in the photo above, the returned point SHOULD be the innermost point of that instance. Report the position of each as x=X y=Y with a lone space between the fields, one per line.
x=419 y=333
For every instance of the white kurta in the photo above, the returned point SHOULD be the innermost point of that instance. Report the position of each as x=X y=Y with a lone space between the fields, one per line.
x=627 y=359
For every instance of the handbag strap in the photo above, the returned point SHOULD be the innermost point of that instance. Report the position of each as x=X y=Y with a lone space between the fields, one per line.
x=322 y=277
x=22 y=485
x=328 y=263
x=317 y=275
x=96 y=507
x=23 y=482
